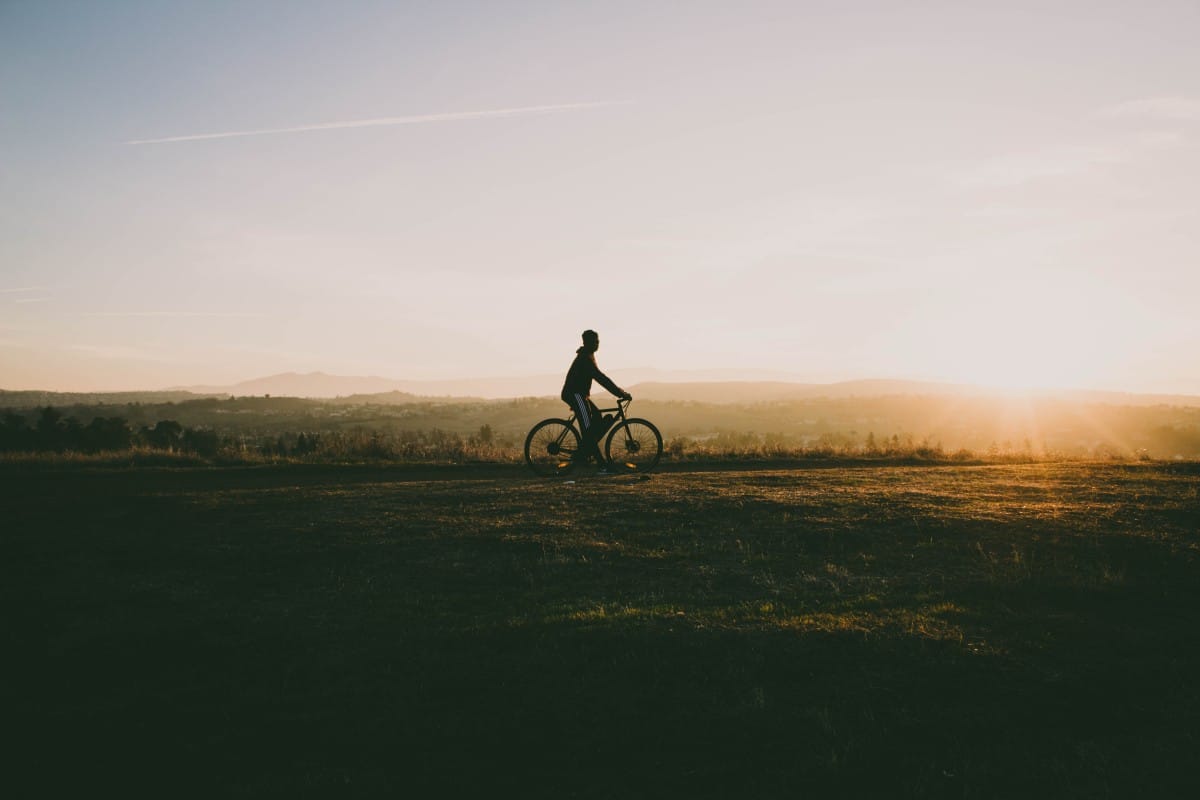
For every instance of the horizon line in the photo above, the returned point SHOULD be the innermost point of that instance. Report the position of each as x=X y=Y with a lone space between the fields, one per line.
x=201 y=388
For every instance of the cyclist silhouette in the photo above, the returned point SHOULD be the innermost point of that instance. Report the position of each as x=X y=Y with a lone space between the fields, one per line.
x=576 y=393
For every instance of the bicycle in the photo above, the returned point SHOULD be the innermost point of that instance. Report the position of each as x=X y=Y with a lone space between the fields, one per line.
x=633 y=444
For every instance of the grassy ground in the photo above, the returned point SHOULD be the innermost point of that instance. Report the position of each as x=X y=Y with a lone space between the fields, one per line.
x=949 y=631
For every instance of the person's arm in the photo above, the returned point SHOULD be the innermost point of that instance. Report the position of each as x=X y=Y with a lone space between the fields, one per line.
x=607 y=383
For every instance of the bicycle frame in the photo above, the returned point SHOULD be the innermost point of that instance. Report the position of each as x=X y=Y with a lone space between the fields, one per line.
x=620 y=409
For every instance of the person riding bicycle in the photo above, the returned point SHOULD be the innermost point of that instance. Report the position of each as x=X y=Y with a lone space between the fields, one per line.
x=576 y=392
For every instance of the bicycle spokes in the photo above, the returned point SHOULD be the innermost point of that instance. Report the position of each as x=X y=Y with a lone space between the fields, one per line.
x=636 y=445
x=551 y=446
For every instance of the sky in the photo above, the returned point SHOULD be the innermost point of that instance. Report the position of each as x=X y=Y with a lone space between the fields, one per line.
x=982 y=192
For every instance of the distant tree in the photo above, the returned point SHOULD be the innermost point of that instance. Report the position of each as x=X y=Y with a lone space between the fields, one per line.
x=106 y=433
x=50 y=430
x=48 y=419
x=484 y=437
x=14 y=433
x=72 y=435
x=201 y=441
x=167 y=434
x=49 y=422
x=306 y=444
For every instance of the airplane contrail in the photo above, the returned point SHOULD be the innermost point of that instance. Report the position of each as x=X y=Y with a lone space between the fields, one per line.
x=368 y=123
x=168 y=314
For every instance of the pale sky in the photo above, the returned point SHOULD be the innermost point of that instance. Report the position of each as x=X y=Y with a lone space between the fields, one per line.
x=206 y=192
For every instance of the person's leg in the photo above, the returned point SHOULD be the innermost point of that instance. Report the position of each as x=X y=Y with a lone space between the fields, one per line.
x=585 y=412
x=597 y=433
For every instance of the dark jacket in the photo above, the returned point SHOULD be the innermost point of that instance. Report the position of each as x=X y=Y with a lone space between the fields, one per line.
x=581 y=374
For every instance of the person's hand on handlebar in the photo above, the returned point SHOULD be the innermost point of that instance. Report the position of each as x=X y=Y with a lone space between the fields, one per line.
x=626 y=396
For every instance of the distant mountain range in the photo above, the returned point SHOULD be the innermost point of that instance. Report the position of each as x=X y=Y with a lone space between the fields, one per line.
x=320 y=384
x=705 y=386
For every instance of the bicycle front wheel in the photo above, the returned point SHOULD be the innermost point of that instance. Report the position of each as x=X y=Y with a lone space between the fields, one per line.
x=635 y=445
x=551 y=446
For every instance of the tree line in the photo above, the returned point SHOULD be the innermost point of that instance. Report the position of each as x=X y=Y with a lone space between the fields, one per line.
x=52 y=432
x=48 y=430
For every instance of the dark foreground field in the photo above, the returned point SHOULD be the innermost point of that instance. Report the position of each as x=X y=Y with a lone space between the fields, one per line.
x=877 y=631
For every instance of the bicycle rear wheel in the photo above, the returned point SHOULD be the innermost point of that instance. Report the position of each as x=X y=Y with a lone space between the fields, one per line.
x=551 y=446
x=634 y=445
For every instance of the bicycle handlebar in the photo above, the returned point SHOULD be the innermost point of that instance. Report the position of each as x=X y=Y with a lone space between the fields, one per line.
x=621 y=403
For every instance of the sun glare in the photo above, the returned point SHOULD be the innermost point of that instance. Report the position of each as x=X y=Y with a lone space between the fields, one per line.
x=1020 y=358
x=1027 y=339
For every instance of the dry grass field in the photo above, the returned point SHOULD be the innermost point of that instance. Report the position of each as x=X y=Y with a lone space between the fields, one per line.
x=885 y=630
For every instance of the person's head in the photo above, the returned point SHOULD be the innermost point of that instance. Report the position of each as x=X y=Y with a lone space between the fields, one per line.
x=591 y=341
